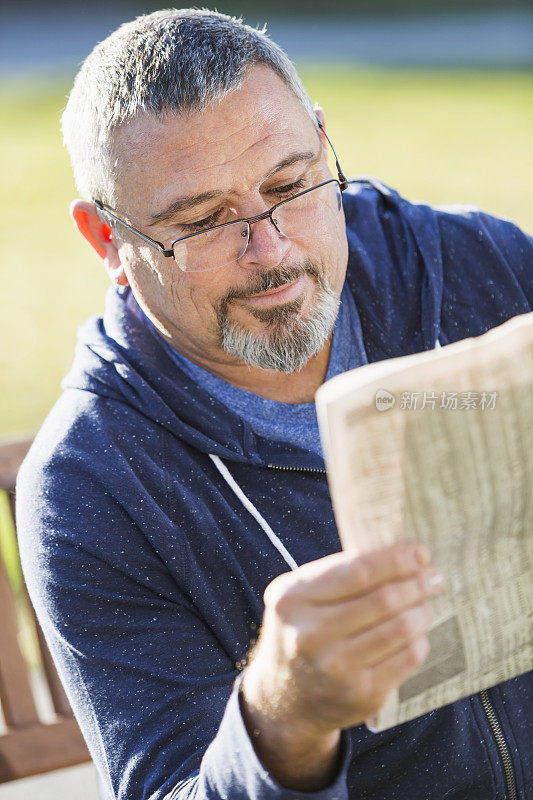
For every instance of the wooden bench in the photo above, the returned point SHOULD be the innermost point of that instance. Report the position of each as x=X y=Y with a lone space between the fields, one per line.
x=29 y=745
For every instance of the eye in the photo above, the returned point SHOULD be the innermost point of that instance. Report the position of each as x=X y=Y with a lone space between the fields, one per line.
x=289 y=188
x=201 y=224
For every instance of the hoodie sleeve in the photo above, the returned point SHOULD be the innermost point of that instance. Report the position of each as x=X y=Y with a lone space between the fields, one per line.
x=419 y=273
x=153 y=690
x=488 y=272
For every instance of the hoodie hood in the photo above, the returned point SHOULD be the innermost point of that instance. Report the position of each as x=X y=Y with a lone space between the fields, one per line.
x=121 y=358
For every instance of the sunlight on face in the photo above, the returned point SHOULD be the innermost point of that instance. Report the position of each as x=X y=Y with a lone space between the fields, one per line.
x=272 y=306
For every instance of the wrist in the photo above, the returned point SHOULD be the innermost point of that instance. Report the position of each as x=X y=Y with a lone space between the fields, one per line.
x=294 y=751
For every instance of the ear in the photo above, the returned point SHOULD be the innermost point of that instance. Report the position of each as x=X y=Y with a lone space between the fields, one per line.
x=319 y=111
x=100 y=237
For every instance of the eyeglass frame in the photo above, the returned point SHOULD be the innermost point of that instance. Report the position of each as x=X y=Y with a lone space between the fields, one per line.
x=169 y=252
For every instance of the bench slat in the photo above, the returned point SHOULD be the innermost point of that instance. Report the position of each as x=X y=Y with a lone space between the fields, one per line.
x=29 y=747
x=41 y=748
x=15 y=691
x=11 y=456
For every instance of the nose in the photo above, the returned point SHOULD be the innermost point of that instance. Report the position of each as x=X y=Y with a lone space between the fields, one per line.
x=267 y=247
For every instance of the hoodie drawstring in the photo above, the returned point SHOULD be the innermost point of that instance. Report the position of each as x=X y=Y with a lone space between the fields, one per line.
x=249 y=506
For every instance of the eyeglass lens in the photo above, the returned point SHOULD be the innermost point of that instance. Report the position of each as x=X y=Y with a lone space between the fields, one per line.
x=300 y=216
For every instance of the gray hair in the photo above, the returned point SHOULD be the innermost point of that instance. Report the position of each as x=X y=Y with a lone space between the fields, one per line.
x=176 y=61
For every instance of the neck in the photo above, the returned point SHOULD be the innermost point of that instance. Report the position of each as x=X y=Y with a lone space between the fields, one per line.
x=297 y=387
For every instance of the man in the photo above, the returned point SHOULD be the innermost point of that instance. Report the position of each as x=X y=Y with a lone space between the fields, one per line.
x=180 y=479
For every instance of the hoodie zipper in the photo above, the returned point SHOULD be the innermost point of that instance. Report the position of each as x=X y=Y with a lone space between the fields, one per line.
x=297 y=469
x=501 y=744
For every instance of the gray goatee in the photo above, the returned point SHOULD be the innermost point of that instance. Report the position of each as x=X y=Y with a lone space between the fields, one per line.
x=289 y=340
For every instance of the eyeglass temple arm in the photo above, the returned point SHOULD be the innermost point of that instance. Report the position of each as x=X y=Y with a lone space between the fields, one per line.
x=343 y=183
x=159 y=245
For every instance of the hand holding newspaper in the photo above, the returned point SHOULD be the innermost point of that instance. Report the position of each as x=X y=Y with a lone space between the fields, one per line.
x=438 y=447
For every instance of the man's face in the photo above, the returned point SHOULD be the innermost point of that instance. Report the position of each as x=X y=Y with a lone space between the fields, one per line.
x=238 y=158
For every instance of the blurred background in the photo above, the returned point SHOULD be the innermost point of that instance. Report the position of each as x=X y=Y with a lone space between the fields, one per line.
x=434 y=98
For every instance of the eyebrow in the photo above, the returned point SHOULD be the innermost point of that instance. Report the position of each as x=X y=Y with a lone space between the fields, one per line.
x=307 y=155
x=182 y=204
x=186 y=203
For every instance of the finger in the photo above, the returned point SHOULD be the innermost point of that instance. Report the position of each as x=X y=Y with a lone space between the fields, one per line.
x=402 y=665
x=369 y=687
x=349 y=617
x=378 y=681
x=344 y=658
x=372 y=723
x=380 y=642
x=343 y=575
x=364 y=690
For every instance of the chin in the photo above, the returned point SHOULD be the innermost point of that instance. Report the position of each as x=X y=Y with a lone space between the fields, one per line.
x=289 y=337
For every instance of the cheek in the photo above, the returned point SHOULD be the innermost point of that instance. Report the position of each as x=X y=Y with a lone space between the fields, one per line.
x=151 y=274
x=332 y=243
x=340 y=235
x=184 y=298
x=334 y=253
x=204 y=291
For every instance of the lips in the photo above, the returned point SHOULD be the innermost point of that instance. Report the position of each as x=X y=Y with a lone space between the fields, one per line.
x=278 y=289
x=281 y=294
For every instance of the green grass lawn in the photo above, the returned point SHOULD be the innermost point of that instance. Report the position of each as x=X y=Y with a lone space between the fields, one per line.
x=444 y=137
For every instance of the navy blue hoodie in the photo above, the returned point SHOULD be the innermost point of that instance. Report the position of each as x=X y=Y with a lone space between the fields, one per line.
x=147 y=570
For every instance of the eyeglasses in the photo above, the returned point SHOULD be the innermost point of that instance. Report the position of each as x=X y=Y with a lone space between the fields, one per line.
x=304 y=213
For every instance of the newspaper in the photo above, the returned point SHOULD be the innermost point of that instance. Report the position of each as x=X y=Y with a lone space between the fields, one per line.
x=438 y=448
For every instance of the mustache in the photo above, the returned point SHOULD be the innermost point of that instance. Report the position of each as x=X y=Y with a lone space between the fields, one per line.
x=273 y=279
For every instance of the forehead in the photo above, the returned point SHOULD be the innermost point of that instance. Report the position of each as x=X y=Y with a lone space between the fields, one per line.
x=227 y=147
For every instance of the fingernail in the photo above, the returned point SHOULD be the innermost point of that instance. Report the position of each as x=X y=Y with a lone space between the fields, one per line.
x=435 y=580
x=372 y=723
